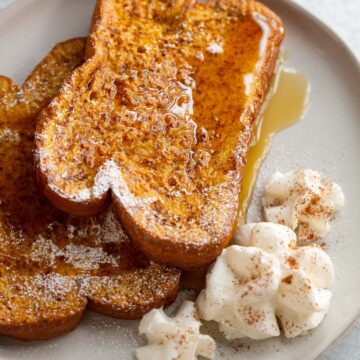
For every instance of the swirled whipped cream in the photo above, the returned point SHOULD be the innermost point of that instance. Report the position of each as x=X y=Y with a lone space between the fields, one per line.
x=265 y=277
x=176 y=338
x=302 y=200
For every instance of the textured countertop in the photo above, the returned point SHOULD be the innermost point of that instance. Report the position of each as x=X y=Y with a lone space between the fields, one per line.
x=343 y=16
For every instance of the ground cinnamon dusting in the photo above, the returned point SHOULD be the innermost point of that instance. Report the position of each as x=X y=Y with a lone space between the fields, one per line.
x=292 y=263
x=287 y=279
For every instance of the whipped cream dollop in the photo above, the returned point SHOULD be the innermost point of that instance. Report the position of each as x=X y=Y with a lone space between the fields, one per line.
x=265 y=277
x=302 y=200
x=176 y=338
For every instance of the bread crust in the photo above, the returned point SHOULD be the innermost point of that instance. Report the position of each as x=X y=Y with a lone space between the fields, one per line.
x=54 y=266
x=175 y=193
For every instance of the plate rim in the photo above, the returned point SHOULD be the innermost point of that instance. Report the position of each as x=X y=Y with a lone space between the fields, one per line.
x=356 y=62
x=326 y=28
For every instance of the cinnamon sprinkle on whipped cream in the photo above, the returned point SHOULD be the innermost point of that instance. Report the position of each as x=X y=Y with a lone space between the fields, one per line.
x=302 y=200
x=264 y=278
x=174 y=338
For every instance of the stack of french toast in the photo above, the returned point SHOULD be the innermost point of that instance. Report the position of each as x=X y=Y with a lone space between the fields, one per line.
x=122 y=157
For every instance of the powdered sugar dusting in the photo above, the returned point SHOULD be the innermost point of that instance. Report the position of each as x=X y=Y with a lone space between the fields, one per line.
x=44 y=250
x=87 y=258
x=108 y=176
x=215 y=48
x=111 y=231
x=53 y=285
x=8 y=135
x=78 y=256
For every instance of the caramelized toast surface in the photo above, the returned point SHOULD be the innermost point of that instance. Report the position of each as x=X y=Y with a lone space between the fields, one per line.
x=161 y=116
x=52 y=265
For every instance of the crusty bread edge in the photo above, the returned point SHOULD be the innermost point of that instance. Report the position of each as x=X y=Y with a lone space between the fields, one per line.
x=102 y=10
x=44 y=329
x=137 y=312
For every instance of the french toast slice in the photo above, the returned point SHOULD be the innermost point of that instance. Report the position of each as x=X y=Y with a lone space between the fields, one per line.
x=161 y=116
x=34 y=304
x=52 y=265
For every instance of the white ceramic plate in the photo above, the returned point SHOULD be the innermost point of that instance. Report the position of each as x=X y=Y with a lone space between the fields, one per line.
x=326 y=140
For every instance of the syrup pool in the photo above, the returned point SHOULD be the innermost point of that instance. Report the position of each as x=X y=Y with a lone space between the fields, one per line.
x=285 y=108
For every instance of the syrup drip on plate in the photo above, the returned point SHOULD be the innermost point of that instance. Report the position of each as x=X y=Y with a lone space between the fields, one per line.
x=285 y=108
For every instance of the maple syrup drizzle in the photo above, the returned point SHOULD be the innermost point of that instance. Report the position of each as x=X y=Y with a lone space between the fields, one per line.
x=285 y=108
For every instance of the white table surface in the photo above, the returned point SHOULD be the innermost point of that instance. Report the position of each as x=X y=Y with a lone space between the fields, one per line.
x=343 y=16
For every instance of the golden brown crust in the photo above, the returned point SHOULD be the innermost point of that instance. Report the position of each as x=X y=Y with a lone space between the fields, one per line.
x=126 y=121
x=19 y=104
x=35 y=305
x=53 y=265
x=149 y=296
